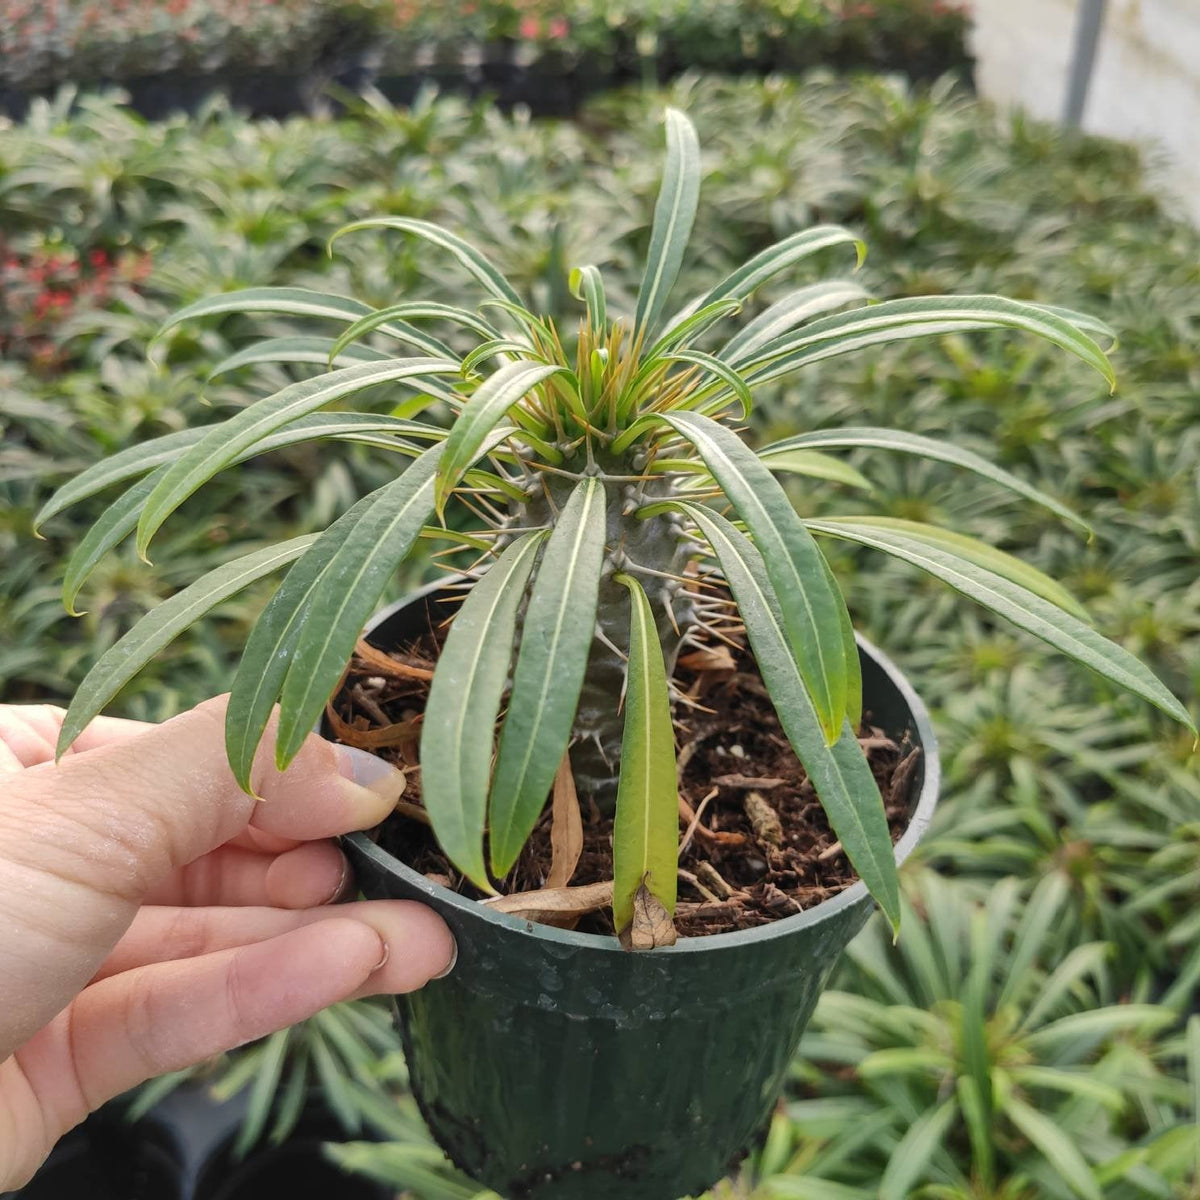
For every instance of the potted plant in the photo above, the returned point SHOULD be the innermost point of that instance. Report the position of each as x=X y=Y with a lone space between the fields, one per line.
x=641 y=579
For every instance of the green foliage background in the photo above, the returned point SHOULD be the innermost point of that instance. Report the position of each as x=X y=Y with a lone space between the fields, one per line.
x=1067 y=848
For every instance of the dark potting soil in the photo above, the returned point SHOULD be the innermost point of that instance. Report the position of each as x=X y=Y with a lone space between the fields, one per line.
x=757 y=847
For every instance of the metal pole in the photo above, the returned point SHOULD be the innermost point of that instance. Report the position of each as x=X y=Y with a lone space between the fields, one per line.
x=1083 y=59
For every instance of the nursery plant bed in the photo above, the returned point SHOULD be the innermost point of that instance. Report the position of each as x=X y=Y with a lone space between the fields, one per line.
x=553 y=1064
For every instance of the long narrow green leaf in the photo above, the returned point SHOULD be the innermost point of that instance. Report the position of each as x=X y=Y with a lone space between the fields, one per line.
x=646 y=826
x=1085 y=322
x=482 y=413
x=111 y=528
x=922 y=316
x=1089 y=1029
x=297 y=350
x=980 y=553
x=291 y=1097
x=812 y=611
x=533 y=325
x=1039 y=917
x=555 y=641
x=287 y=301
x=221 y=444
x=497 y=346
x=690 y=327
x=1056 y=1146
x=1088 y=959
x=466 y=254
x=125 y=464
x=297 y=302
x=268 y=652
x=910 y=1160
x=714 y=366
x=841 y=776
x=418 y=309
x=815 y=465
x=121 y=517
x=335 y=1087
x=587 y=284
x=346 y=595
x=979 y=1098
x=674 y=213
x=742 y=283
x=923 y=447
x=810 y=463
x=161 y=625
x=464 y=699
x=1080 y=1083
x=1024 y=609
x=979 y=1128
x=262 y=1092
x=786 y=314
x=854 y=683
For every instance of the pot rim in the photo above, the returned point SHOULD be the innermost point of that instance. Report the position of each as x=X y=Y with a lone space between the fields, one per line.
x=918 y=823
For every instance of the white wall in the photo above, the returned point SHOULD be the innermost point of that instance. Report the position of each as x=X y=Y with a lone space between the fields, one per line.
x=1146 y=82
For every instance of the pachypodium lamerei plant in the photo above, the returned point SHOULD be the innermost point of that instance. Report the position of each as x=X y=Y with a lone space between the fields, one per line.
x=607 y=474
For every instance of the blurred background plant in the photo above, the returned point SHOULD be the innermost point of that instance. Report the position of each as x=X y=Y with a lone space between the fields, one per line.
x=1035 y=1011
x=471 y=43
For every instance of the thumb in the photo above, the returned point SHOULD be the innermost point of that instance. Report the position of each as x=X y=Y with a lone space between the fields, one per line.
x=81 y=842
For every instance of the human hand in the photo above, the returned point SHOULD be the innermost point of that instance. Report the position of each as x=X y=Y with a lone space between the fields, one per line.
x=152 y=914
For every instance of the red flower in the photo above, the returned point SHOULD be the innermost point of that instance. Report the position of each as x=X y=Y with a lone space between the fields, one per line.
x=558 y=28
x=530 y=28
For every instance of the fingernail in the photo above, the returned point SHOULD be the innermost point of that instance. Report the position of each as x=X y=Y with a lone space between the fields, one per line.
x=343 y=880
x=370 y=771
x=387 y=953
x=451 y=964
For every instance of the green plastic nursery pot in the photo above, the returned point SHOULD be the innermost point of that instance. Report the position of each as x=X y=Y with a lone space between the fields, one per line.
x=554 y=1065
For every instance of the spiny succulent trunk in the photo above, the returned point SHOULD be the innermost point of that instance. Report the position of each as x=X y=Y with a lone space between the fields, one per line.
x=599 y=721
x=656 y=545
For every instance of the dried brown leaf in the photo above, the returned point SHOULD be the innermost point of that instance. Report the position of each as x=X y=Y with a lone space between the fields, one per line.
x=651 y=926
x=902 y=776
x=550 y=905
x=385 y=664
x=720 y=910
x=566 y=828
x=877 y=742
x=710 y=658
x=371 y=739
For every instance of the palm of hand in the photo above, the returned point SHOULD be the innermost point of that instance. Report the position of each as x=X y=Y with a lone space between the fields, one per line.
x=151 y=915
